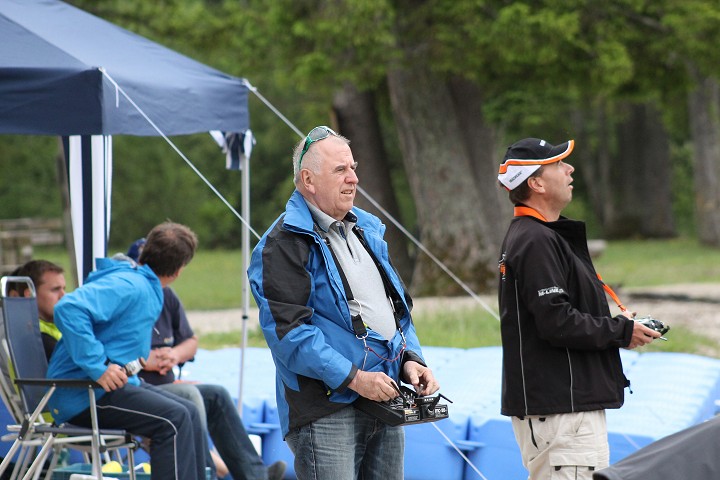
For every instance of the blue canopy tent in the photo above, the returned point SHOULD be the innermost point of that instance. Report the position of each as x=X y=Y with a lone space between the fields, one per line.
x=68 y=73
x=60 y=68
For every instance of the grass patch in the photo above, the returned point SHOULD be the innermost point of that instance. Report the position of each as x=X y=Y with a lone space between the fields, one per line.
x=462 y=329
x=640 y=263
x=472 y=328
x=213 y=281
x=218 y=340
x=467 y=328
x=684 y=340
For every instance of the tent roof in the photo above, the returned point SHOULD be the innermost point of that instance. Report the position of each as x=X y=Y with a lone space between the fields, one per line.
x=51 y=83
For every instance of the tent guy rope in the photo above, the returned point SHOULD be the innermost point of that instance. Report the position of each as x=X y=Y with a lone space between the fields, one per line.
x=387 y=214
x=179 y=152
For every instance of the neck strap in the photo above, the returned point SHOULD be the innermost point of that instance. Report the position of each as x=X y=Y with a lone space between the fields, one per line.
x=612 y=294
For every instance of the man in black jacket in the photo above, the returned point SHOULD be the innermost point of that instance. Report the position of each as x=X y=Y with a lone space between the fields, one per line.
x=561 y=360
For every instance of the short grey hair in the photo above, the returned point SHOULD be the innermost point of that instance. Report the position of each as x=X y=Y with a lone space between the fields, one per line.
x=311 y=160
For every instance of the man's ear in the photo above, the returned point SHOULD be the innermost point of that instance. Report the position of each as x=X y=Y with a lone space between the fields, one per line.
x=306 y=179
x=536 y=184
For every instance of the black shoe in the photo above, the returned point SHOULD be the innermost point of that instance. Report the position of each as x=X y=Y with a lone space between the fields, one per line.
x=276 y=470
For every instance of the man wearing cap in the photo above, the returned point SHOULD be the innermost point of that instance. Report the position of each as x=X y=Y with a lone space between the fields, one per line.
x=561 y=360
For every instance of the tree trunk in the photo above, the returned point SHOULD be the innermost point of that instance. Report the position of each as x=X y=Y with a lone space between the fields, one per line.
x=703 y=104
x=593 y=165
x=641 y=176
x=449 y=205
x=357 y=120
x=481 y=141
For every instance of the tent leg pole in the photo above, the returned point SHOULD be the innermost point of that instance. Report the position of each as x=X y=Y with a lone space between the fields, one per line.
x=245 y=240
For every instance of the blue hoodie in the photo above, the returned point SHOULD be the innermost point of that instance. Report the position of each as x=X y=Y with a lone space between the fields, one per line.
x=109 y=318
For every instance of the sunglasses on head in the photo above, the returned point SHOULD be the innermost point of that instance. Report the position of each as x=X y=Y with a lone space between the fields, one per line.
x=315 y=135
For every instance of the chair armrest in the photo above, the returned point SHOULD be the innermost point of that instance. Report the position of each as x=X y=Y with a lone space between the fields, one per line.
x=58 y=382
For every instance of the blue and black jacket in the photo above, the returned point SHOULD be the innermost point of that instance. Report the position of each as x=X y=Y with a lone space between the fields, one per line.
x=306 y=321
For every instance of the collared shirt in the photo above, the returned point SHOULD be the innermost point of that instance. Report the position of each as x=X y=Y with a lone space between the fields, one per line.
x=371 y=300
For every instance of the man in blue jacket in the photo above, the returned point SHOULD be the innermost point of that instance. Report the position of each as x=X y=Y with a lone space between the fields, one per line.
x=336 y=316
x=106 y=324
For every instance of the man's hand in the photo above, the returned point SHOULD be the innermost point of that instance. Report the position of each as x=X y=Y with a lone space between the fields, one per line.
x=171 y=358
x=421 y=378
x=158 y=360
x=641 y=335
x=113 y=378
x=374 y=385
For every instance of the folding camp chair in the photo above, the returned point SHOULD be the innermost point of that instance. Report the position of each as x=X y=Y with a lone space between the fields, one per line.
x=27 y=365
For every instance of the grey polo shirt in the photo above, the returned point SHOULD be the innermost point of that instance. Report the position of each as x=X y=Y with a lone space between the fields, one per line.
x=361 y=272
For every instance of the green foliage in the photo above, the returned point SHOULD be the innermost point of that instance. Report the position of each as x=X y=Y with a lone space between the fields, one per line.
x=536 y=62
x=152 y=183
x=28 y=182
x=694 y=25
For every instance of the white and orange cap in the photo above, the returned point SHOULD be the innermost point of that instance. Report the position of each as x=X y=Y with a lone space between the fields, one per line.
x=526 y=156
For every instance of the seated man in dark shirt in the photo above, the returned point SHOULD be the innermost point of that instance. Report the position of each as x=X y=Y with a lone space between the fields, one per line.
x=174 y=343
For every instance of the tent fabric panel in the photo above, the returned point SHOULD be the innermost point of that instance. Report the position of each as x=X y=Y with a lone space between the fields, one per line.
x=175 y=108
x=49 y=101
x=21 y=48
x=690 y=453
x=89 y=170
x=180 y=95
x=95 y=42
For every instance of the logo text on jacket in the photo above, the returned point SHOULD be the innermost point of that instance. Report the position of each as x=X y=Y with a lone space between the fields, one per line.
x=547 y=291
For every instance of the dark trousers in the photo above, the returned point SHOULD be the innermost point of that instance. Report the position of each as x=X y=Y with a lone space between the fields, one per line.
x=178 y=445
x=229 y=436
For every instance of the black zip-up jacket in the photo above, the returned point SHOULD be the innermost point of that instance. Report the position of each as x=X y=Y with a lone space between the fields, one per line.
x=560 y=342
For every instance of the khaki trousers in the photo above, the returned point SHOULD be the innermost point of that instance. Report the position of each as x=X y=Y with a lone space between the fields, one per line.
x=568 y=446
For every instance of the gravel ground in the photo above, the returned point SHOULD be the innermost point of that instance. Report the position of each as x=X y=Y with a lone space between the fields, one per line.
x=694 y=306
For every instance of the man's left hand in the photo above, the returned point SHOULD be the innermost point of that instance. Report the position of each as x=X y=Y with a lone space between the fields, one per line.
x=421 y=378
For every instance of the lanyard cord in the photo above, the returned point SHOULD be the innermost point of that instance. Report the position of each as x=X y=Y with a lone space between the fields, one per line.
x=522 y=211
x=357 y=322
x=612 y=294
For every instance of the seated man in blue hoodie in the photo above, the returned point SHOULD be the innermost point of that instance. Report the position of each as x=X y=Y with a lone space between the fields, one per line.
x=107 y=324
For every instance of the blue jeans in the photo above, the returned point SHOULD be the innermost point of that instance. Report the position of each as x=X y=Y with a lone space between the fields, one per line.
x=223 y=423
x=348 y=445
